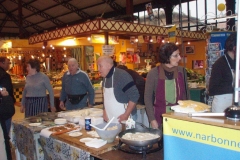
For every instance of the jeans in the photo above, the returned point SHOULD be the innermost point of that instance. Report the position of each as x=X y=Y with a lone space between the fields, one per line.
x=8 y=123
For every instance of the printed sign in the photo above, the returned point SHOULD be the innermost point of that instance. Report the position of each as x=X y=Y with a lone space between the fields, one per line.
x=108 y=50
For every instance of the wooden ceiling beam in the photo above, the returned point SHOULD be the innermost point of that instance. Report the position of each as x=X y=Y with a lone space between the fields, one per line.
x=72 y=8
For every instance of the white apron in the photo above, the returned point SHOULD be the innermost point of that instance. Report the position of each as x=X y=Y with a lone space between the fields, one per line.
x=221 y=102
x=112 y=107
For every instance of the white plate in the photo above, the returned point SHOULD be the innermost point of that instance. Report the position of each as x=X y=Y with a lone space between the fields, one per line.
x=84 y=140
x=180 y=109
x=75 y=134
x=34 y=124
x=60 y=121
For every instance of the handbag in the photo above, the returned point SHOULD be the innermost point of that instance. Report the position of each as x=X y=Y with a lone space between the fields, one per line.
x=75 y=99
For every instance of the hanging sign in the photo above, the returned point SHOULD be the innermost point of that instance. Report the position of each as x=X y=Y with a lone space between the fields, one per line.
x=132 y=39
x=159 y=39
x=146 y=39
x=149 y=11
x=108 y=50
x=172 y=34
x=140 y=39
x=113 y=39
x=98 y=38
x=154 y=40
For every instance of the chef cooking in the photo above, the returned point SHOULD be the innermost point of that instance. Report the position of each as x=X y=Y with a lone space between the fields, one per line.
x=119 y=91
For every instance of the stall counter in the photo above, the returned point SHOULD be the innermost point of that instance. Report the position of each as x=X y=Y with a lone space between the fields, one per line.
x=215 y=138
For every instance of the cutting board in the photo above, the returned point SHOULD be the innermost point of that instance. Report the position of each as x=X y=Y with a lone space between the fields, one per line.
x=74 y=141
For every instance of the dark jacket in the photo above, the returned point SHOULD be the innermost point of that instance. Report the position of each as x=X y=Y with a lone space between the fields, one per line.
x=7 y=110
x=221 y=77
x=6 y=82
x=140 y=84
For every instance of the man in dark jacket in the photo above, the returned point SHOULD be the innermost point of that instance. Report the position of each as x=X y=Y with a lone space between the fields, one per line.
x=7 y=110
x=6 y=82
x=138 y=80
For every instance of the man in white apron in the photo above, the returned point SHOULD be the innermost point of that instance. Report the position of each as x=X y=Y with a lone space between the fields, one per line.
x=221 y=84
x=119 y=91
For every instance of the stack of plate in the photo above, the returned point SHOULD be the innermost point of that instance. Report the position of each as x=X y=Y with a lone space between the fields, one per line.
x=60 y=121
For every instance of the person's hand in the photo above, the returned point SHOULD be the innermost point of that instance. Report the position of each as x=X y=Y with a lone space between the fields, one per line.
x=105 y=117
x=61 y=105
x=22 y=109
x=53 y=109
x=4 y=92
x=123 y=117
x=90 y=106
x=154 y=124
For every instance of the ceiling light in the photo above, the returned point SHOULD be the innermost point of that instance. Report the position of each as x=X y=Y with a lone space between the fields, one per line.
x=89 y=38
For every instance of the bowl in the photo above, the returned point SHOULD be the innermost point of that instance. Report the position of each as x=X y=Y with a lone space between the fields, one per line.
x=110 y=133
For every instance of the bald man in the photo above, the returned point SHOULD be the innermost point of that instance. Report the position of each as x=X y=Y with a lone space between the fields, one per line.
x=77 y=88
x=119 y=91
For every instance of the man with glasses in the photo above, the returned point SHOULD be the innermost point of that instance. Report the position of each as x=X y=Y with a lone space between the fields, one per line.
x=6 y=82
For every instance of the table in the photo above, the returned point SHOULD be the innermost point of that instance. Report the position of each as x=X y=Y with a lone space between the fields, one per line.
x=25 y=139
x=215 y=138
x=120 y=155
x=56 y=149
x=68 y=147
x=30 y=145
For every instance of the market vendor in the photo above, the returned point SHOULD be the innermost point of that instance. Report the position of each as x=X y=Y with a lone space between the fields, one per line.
x=221 y=84
x=77 y=89
x=165 y=85
x=119 y=91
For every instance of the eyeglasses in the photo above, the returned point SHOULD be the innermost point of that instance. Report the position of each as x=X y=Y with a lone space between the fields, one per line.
x=175 y=56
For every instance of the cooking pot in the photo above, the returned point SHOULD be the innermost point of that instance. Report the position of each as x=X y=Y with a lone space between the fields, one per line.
x=142 y=130
x=232 y=112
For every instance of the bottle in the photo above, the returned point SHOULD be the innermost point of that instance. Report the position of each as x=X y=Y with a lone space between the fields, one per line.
x=87 y=123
